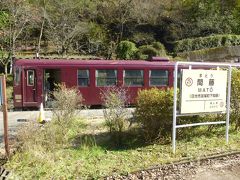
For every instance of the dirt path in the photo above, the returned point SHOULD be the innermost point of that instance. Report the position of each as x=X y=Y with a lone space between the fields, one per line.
x=221 y=169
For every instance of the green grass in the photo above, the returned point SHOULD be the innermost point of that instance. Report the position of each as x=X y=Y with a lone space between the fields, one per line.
x=88 y=160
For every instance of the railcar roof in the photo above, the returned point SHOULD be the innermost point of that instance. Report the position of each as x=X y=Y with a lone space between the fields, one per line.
x=62 y=62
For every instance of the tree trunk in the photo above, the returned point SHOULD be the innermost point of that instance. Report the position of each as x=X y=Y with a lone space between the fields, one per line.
x=13 y=56
x=40 y=38
x=5 y=69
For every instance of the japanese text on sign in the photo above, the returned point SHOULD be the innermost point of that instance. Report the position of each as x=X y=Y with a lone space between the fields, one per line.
x=203 y=91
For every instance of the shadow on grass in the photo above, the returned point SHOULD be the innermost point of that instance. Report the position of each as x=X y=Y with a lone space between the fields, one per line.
x=131 y=139
x=189 y=133
x=134 y=138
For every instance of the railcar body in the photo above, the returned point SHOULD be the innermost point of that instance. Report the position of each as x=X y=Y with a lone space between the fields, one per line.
x=32 y=78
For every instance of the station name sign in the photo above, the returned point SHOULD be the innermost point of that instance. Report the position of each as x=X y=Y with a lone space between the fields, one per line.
x=203 y=91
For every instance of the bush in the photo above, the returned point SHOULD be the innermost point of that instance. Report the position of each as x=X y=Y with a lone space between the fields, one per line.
x=66 y=101
x=142 y=38
x=148 y=51
x=154 y=112
x=61 y=129
x=161 y=51
x=48 y=137
x=115 y=100
x=235 y=98
x=214 y=41
x=126 y=50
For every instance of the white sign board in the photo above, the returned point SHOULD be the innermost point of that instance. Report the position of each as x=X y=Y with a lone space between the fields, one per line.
x=203 y=91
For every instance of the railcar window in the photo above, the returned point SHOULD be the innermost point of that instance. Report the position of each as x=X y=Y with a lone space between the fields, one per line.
x=30 y=77
x=17 y=75
x=83 y=77
x=158 y=77
x=133 y=78
x=106 y=77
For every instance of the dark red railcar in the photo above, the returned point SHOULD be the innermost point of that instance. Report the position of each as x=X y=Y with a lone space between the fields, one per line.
x=34 y=78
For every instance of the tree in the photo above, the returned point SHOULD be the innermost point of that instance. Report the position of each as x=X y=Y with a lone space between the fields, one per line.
x=203 y=18
x=19 y=15
x=115 y=14
x=4 y=56
x=41 y=5
x=65 y=21
x=93 y=41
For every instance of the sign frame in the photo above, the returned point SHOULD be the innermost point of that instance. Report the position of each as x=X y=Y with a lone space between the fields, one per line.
x=175 y=98
x=203 y=91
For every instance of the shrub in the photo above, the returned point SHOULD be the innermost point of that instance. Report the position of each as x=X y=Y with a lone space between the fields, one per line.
x=154 y=112
x=48 y=137
x=161 y=51
x=66 y=101
x=115 y=100
x=126 y=50
x=142 y=38
x=213 y=41
x=61 y=129
x=148 y=50
x=235 y=98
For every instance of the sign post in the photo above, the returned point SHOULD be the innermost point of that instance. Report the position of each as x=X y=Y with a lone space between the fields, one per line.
x=3 y=97
x=202 y=91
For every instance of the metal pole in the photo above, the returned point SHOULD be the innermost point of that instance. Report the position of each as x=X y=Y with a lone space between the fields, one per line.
x=175 y=108
x=5 y=115
x=228 y=101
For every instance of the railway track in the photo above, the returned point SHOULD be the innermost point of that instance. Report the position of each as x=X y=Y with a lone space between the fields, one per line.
x=216 y=166
x=4 y=173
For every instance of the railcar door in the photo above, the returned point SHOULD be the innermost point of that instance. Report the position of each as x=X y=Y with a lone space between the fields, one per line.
x=30 y=85
x=52 y=77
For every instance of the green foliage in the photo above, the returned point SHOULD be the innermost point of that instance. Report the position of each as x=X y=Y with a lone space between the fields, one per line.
x=204 y=18
x=148 y=51
x=159 y=47
x=142 y=38
x=186 y=45
x=97 y=38
x=9 y=84
x=4 y=19
x=235 y=98
x=126 y=50
x=154 y=112
x=211 y=54
x=9 y=80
